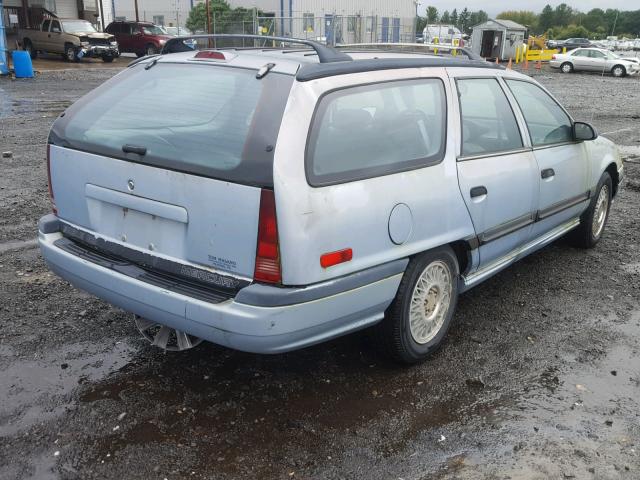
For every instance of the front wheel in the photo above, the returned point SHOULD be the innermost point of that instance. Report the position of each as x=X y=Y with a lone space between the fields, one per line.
x=618 y=71
x=418 y=319
x=594 y=219
x=107 y=58
x=71 y=54
x=566 y=67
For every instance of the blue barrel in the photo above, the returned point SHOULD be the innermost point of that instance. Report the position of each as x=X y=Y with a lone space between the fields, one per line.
x=22 y=65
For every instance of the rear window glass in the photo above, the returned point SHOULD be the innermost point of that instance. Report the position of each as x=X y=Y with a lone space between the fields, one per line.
x=205 y=119
x=375 y=130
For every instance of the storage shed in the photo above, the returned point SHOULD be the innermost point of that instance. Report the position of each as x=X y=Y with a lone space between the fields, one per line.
x=497 y=39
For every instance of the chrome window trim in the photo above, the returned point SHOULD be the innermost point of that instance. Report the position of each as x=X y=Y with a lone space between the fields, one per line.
x=500 y=153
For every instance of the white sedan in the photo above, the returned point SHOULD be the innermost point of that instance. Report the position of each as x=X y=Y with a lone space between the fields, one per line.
x=595 y=60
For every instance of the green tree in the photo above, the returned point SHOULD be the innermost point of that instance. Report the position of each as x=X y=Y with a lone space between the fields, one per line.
x=421 y=22
x=523 y=17
x=475 y=18
x=546 y=19
x=594 y=19
x=563 y=15
x=432 y=15
x=463 y=19
x=454 y=17
x=445 y=18
x=227 y=19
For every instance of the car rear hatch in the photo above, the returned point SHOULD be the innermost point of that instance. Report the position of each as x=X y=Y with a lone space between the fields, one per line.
x=170 y=162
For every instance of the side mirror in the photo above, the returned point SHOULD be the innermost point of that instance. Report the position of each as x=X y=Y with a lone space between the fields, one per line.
x=583 y=131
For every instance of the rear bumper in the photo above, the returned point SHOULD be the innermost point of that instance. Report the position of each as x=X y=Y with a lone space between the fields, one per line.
x=242 y=326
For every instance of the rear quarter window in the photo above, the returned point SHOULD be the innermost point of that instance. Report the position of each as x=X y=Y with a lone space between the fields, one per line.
x=210 y=120
x=379 y=129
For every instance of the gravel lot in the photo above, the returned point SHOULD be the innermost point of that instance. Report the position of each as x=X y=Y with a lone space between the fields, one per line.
x=540 y=376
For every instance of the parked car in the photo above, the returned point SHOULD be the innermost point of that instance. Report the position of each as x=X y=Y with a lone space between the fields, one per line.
x=182 y=31
x=141 y=38
x=595 y=60
x=177 y=31
x=70 y=37
x=572 y=43
x=270 y=202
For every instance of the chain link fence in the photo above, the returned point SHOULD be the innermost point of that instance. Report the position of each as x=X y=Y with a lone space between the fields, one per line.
x=329 y=29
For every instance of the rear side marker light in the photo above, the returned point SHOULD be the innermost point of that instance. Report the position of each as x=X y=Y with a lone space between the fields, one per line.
x=268 y=251
x=334 y=258
x=53 y=201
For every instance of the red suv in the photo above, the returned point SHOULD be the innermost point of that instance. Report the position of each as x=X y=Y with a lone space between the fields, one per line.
x=141 y=38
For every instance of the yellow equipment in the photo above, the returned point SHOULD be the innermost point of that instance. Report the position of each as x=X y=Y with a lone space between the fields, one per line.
x=537 y=43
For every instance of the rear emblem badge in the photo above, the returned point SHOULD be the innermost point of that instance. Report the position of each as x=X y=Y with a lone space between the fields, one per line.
x=130 y=184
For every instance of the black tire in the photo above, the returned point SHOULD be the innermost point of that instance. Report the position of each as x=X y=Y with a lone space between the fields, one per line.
x=150 y=50
x=107 y=58
x=566 y=67
x=70 y=53
x=584 y=236
x=28 y=47
x=393 y=335
x=140 y=54
x=618 y=71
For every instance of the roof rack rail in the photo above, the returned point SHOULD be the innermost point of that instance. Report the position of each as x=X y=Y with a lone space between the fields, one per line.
x=325 y=54
x=427 y=48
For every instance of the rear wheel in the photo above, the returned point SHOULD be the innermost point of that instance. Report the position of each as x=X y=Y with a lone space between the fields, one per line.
x=107 y=58
x=417 y=321
x=619 y=71
x=28 y=47
x=150 y=50
x=594 y=219
x=566 y=67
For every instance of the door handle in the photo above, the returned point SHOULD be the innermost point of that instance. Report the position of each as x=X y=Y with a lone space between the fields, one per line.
x=547 y=173
x=478 y=191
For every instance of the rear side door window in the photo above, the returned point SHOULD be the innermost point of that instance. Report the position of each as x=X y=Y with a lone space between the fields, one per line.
x=546 y=120
x=487 y=120
x=379 y=129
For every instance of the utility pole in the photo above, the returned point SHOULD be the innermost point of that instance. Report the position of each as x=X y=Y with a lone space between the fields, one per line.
x=208 y=16
x=101 y=12
x=135 y=3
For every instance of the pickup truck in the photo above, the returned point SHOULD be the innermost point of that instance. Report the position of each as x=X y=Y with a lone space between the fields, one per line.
x=73 y=38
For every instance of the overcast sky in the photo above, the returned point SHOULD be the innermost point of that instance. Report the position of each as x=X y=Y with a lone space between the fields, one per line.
x=493 y=7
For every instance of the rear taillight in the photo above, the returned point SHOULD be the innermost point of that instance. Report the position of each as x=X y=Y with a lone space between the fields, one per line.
x=53 y=201
x=268 y=251
x=553 y=57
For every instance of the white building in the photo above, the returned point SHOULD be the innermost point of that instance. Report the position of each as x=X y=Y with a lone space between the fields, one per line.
x=23 y=13
x=340 y=21
x=160 y=12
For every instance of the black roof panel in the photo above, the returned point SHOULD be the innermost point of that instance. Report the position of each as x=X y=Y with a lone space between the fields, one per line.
x=312 y=71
